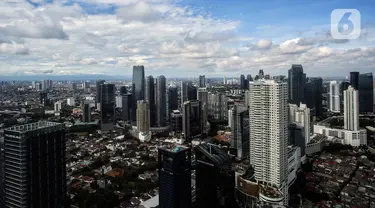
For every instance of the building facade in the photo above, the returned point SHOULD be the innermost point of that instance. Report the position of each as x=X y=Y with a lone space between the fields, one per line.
x=191 y=119
x=138 y=86
x=296 y=84
x=150 y=98
x=161 y=101
x=351 y=109
x=217 y=106
x=175 y=177
x=107 y=107
x=35 y=166
x=268 y=110
x=334 y=96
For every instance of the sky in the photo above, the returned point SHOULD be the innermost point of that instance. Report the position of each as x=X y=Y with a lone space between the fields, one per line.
x=181 y=38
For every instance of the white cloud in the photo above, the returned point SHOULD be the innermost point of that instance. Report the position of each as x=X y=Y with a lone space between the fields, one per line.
x=140 y=11
x=264 y=44
x=13 y=48
x=162 y=35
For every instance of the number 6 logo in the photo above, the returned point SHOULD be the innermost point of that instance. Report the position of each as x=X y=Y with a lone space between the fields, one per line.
x=345 y=24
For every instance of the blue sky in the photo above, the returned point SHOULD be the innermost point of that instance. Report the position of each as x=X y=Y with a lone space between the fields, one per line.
x=180 y=37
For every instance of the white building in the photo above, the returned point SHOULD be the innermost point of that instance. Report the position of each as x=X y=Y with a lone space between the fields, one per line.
x=70 y=101
x=354 y=138
x=351 y=109
x=301 y=116
x=268 y=111
x=58 y=106
x=118 y=101
x=334 y=96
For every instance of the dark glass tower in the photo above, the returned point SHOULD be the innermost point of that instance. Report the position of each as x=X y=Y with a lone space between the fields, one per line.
x=107 y=107
x=161 y=101
x=86 y=117
x=354 y=80
x=191 y=119
x=174 y=177
x=241 y=131
x=127 y=107
x=172 y=99
x=366 y=93
x=150 y=98
x=249 y=78
x=192 y=92
x=123 y=90
x=138 y=86
x=202 y=81
x=296 y=84
x=188 y=91
x=313 y=94
x=215 y=180
x=35 y=166
x=98 y=92
x=242 y=82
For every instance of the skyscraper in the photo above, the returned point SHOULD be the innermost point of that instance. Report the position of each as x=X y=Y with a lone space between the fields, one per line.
x=107 y=107
x=313 y=95
x=191 y=119
x=215 y=180
x=261 y=74
x=334 y=96
x=138 y=86
x=123 y=90
x=343 y=86
x=351 y=109
x=366 y=96
x=184 y=91
x=174 y=177
x=354 y=80
x=98 y=92
x=161 y=101
x=242 y=82
x=150 y=98
x=35 y=166
x=143 y=116
x=127 y=107
x=268 y=110
x=296 y=84
x=300 y=115
x=241 y=131
x=203 y=98
x=176 y=121
x=192 y=92
x=86 y=115
x=172 y=99
x=249 y=78
x=143 y=120
x=202 y=81
x=218 y=106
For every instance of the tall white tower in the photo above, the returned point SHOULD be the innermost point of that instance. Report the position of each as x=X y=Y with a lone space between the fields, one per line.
x=334 y=96
x=268 y=111
x=351 y=109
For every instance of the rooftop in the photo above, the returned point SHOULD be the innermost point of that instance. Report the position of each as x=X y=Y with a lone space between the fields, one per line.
x=33 y=126
x=174 y=147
